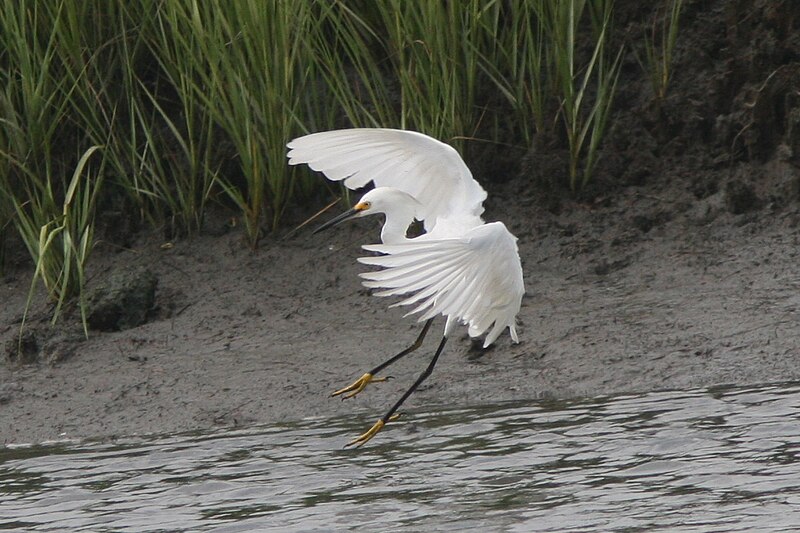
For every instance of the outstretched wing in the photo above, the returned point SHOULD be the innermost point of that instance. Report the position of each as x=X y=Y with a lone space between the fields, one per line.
x=475 y=279
x=429 y=170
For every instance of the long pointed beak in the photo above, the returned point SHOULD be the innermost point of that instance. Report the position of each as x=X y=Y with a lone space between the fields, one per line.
x=347 y=215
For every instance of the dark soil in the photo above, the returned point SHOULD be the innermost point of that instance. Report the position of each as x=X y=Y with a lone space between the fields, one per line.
x=677 y=268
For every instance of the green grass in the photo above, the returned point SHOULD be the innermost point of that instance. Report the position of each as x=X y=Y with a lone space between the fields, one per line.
x=558 y=91
x=35 y=114
x=244 y=67
x=169 y=107
x=411 y=65
x=61 y=247
x=521 y=65
x=659 y=44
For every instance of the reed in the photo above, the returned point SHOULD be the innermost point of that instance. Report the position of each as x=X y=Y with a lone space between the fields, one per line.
x=61 y=247
x=193 y=102
x=659 y=44
x=429 y=47
x=106 y=58
x=520 y=67
x=191 y=99
x=52 y=214
x=180 y=163
x=584 y=115
x=348 y=54
x=33 y=114
x=413 y=65
x=245 y=65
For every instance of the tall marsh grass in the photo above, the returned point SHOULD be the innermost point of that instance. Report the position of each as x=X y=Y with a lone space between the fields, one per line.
x=168 y=107
x=584 y=120
x=241 y=69
x=61 y=247
x=659 y=44
x=35 y=188
x=549 y=82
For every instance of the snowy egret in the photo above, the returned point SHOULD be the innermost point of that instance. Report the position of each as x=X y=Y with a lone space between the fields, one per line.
x=461 y=267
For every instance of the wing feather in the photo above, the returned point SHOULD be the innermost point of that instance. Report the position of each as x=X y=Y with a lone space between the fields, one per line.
x=418 y=283
x=429 y=170
x=398 y=277
x=475 y=279
x=431 y=272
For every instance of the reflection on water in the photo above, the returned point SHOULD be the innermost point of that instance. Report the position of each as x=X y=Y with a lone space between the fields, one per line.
x=705 y=460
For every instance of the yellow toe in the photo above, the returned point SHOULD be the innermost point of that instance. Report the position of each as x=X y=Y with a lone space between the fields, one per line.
x=365 y=437
x=357 y=386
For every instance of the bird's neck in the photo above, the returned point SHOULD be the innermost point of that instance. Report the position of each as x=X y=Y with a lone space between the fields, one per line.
x=396 y=225
x=398 y=219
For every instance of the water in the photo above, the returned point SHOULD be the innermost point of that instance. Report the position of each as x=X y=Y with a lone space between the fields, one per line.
x=704 y=460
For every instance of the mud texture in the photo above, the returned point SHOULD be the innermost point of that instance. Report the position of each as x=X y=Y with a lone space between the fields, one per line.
x=678 y=268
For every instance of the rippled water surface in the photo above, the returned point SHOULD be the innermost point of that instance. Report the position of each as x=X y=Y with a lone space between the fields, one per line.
x=704 y=460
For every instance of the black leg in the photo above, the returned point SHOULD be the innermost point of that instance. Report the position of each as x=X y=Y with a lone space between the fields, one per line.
x=358 y=385
x=417 y=344
x=422 y=377
x=359 y=441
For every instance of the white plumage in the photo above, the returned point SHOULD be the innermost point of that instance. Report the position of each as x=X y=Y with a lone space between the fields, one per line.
x=475 y=279
x=462 y=268
x=428 y=170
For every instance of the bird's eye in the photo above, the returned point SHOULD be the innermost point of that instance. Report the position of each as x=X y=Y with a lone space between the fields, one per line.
x=363 y=206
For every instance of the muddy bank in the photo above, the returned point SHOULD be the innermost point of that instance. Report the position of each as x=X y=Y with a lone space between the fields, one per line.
x=614 y=304
x=677 y=269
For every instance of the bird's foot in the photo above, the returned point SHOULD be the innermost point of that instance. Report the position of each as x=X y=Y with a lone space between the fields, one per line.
x=371 y=432
x=358 y=385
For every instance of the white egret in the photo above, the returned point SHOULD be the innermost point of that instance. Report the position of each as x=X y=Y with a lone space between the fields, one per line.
x=462 y=268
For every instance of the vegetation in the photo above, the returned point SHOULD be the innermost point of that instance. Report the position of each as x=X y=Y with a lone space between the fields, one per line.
x=659 y=44
x=170 y=106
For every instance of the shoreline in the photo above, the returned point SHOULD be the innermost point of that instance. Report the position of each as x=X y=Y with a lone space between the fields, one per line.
x=264 y=337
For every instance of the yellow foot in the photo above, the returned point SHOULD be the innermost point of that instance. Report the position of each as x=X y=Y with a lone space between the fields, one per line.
x=357 y=386
x=363 y=438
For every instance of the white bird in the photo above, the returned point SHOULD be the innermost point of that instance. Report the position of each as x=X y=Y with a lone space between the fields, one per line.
x=462 y=268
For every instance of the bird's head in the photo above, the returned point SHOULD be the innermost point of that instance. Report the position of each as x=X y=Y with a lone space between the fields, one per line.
x=379 y=200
